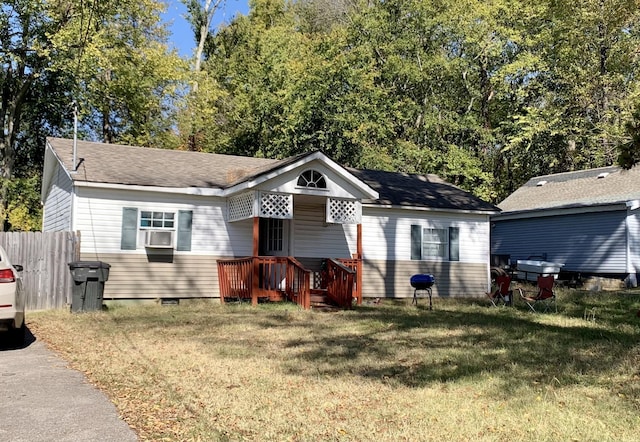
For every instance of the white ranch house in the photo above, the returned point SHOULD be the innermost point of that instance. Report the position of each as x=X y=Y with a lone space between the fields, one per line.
x=177 y=224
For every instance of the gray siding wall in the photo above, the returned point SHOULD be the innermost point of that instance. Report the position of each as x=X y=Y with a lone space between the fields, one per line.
x=390 y=279
x=589 y=242
x=151 y=276
x=57 y=207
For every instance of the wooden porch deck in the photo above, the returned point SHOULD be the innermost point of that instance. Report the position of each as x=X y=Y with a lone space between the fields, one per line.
x=286 y=279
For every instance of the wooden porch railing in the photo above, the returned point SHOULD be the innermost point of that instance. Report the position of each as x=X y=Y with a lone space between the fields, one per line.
x=234 y=278
x=340 y=283
x=269 y=277
x=355 y=265
x=298 y=287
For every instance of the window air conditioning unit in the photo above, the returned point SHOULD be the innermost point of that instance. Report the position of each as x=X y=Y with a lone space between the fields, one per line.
x=159 y=239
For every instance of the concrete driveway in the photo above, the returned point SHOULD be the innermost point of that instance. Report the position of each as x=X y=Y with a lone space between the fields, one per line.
x=43 y=400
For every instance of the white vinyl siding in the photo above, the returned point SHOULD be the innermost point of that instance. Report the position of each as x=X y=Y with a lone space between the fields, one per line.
x=386 y=233
x=313 y=238
x=337 y=186
x=99 y=216
x=57 y=208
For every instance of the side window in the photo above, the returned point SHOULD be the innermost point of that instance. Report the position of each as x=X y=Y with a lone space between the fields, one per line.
x=435 y=243
x=185 y=221
x=156 y=220
x=454 y=244
x=149 y=220
x=129 y=237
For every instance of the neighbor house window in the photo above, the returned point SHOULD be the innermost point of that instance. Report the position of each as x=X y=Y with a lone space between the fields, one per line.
x=312 y=178
x=156 y=220
x=435 y=243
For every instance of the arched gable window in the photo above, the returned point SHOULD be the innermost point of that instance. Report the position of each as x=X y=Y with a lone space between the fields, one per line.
x=313 y=179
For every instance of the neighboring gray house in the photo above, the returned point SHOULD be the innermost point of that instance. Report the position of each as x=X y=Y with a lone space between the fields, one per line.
x=166 y=219
x=588 y=220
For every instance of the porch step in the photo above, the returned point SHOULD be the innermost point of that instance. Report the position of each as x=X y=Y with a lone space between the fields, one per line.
x=320 y=300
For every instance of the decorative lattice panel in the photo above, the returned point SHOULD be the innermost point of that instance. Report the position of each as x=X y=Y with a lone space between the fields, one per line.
x=343 y=211
x=276 y=205
x=240 y=206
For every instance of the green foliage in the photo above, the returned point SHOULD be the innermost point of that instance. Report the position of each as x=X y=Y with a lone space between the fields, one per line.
x=24 y=212
x=126 y=80
x=486 y=94
x=629 y=152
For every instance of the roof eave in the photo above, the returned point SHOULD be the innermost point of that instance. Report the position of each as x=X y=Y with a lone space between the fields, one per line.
x=560 y=210
x=251 y=182
x=197 y=191
x=430 y=209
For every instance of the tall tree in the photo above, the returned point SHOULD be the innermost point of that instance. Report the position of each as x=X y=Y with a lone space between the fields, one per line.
x=629 y=151
x=126 y=79
x=108 y=56
x=486 y=94
x=200 y=104
x=586 y=84
x=25 y=77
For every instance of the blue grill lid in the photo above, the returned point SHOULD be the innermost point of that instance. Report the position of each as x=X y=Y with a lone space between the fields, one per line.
x=422 y=281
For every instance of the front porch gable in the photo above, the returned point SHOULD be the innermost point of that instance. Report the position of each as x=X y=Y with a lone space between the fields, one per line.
x=278 y=205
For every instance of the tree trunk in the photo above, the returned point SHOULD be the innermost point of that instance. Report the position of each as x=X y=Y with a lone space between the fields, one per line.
x=14 y=92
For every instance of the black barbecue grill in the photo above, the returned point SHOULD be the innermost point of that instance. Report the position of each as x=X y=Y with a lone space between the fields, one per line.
x=422 y=282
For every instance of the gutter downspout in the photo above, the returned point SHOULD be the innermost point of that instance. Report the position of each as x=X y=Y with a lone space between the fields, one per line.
x=75 y=138
x=631 y=270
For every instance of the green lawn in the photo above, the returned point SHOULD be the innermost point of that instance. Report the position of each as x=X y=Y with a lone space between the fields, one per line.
x=388 y=372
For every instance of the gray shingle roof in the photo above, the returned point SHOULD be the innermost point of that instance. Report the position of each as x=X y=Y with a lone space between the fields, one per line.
x=401 y=189
x=575 y=189
x=143 y=166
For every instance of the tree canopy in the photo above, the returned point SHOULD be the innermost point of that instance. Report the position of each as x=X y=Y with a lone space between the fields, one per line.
x=485 y=94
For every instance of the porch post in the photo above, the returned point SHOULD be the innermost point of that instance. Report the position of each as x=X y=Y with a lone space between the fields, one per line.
x=256 y=266
x=256 y=234
x=359 y=265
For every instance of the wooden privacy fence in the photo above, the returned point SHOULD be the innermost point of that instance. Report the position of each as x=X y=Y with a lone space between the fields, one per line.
x=45 y=256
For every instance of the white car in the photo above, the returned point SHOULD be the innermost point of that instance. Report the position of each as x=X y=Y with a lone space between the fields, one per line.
x=12 y=300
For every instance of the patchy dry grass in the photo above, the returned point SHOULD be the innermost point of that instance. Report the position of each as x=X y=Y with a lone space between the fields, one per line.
x=389 y=372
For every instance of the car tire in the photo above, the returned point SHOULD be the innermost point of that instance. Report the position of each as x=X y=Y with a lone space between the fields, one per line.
x=18 y=334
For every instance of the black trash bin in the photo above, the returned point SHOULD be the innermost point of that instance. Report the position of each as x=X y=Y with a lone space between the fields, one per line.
x=88 y=288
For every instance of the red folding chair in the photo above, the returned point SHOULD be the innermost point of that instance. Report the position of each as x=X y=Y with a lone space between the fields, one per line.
x=544 y=298
x=502 y=294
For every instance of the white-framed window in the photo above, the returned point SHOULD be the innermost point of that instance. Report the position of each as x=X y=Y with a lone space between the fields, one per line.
x=135 y=222
x=157 y=220
x=312 y=179
x=437 y=243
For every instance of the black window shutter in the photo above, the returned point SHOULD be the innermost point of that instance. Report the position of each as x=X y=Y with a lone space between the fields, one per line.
x=129 y=236
x=416 y=242
x=454 y=244
x=185 y=220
